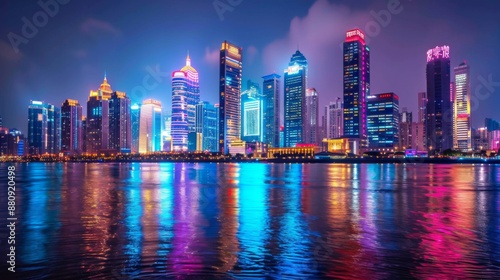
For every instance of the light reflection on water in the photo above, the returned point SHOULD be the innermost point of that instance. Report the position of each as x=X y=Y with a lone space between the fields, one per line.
x=263 y=220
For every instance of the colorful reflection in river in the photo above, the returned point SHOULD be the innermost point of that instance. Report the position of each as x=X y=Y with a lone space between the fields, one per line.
x=259 y=220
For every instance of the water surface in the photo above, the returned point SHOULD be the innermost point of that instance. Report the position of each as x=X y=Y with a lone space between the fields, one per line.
x=224 y=221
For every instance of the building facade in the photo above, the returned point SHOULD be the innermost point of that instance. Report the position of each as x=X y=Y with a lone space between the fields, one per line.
x=97 y=123
x=383 y=121
x=229 y=95
x=71 y=127
x=356 y=69
x=252 y=115
x=462 y=126
x=150 y=127
x=311 y=124
x=438 y=122
x=207 y=126
x=405 y=130
x=44 y=128
x=120 y=122
x=135 y=114
x=336 y=116
x=271 y=111
x=294 y=104
x=185 y=97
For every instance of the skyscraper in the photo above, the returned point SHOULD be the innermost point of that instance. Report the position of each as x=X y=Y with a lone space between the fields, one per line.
x=356 y=84
x=150 y=127
x=251 y=115
x=120 y=136
x=383 y=120
x=71 y=126
x=229 y=95
x=97 y=123
x=185 y=97
x=336 y=116
x=54 y=129
x=271 y=97
x=311 y=125
x=207 y=126
x=462 y=134
x=405 y=129
x=438 y=122
x=44 y=128
x=295 y=94
x=135 y=113
x=422 y=104
x=491 y=124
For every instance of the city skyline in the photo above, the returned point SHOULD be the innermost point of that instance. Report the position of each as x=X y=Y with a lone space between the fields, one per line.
x=392 y=49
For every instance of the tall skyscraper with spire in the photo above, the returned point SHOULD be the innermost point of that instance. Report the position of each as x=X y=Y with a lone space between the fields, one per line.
x=97 y=123
x=439 y=114
x=462 y=130
x=356 y=85
x=185 y=97
x=229 y=95
x=295 y=94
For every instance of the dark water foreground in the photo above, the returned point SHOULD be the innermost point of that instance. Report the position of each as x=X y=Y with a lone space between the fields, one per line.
x=241 y=220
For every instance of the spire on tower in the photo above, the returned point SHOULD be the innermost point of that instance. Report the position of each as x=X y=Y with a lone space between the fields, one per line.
x=188 y=60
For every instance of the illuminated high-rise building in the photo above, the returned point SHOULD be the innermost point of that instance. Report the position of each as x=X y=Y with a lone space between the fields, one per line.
x=356 y=71
x=207 y=127
x=71 y=126
x=383 y=121
x=405 y=129
x=252 y=115
x=44 y=128
x=311 y=124
x=97 y=123
x=185 y=97
x=491 y=124
x=462 y=127
x=438 y=122
x=271 y=111
x=295 y=94
x=54 y=129
x=422 y=104
x=150 y=127
x=229 y=95
x=336 y=119
x=120 y=136
x=135 y=113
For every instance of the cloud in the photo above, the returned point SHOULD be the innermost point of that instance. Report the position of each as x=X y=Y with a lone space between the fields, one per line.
x=251 y=53
x=94 y=27
x=318 y=36
x=212 y=56
x=8 y=54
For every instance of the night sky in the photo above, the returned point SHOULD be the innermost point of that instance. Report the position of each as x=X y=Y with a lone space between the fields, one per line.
x=68 y=55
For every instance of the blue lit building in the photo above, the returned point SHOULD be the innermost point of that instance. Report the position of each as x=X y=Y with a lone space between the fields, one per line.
x=97 y=123
x=185 y=97
x=271 y=110
x=44 y=128
x=229 y=95
x=150 y=127
x=356 y=71
x=135 y=113
x=252 y=115
x=295 y=93
x=383 y=121
x=207 y=127
x=120 y=136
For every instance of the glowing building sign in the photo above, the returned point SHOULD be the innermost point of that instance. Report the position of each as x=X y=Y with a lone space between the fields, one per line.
x=293 y=69
x=438 y=52
x=355 y=34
